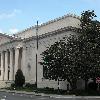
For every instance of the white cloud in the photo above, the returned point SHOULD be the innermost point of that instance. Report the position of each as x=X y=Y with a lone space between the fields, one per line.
x=17 y=11
x=13 y=30
x=10 y=15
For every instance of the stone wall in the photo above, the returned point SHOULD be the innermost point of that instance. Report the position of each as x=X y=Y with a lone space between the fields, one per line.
x=56 y=24
x=49 y=33
x=29 y=66
x=4 y=40
x=29 y=63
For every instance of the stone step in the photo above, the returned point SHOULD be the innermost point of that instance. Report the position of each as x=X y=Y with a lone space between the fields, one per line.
x=4 y=84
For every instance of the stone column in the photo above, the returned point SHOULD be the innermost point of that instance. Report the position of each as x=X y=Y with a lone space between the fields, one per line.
x=11 y=65
x=16 y=60
x=23 y=59
x=0 y=61
x=2 y=67
x=6 y=66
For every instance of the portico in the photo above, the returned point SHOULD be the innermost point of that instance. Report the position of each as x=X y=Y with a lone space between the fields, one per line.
x=10 y=62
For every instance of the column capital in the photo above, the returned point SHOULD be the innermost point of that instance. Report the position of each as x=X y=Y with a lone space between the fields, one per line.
x=18 y=46
x=24 y=48
x=11 y=49
x=6 y=51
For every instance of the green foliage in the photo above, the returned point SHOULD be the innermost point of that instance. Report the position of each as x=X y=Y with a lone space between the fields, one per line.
x=90 y=41
x=58 y=61
x=86 y=19
x=79 y=57
x=28 y=85
x=19 y=78
x=54 y=61
x=13 y=85
x=85 y=50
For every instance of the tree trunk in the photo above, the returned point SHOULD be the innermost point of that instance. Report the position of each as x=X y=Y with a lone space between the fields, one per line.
x=58 y=86
x=86 y=86
x=73 y=85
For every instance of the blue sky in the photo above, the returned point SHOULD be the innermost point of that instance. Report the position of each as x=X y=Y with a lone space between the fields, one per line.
x=16 y=15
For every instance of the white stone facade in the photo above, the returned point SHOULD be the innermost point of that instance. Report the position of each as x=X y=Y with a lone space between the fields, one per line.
x=19 y=51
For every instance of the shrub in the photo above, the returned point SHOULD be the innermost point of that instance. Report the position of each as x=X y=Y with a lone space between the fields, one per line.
x=28 y=85
x=12 y=85
x=92 y=86
x=19 y=78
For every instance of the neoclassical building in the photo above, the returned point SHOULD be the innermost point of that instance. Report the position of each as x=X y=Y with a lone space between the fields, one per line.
x=19 y=50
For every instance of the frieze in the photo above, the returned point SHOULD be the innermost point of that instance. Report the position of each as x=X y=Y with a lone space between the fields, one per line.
x=49 y=34
x=52 y=21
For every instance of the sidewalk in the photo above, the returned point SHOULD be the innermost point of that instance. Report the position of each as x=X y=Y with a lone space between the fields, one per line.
x=37 y=94
x=50 y=95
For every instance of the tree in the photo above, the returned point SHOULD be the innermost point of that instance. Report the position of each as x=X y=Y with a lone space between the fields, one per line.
x=19 y=78
x=88 y=46
x=53 y=61
x=57 y=64
x=87 y=19
x=85 y=52
x=79 y=57
x=84 y=57
x=90 y=27
x=91 y=43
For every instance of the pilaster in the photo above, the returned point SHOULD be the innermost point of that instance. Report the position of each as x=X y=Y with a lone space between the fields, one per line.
x=23 y=59
x=16 y=60
x=11 y=65
x=2 y=66
x=6 y=66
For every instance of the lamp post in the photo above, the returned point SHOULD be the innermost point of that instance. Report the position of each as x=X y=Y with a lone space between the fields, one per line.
x=36 y=50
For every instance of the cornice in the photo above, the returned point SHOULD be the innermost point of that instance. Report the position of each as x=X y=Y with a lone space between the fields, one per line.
x=8 y=36
x=59 y=31
x=12 y=41
x=49 y=22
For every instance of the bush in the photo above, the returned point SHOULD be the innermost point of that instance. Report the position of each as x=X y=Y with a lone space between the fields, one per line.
x=12 y=85
x=19 y=78
x=28 y=85
x=92 y=86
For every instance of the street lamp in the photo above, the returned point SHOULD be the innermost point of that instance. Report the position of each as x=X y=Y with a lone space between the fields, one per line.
x=36 y=50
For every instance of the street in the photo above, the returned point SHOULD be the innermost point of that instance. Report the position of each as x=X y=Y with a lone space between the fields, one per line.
x=16 y=96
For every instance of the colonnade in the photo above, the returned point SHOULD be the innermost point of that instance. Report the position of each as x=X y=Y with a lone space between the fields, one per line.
x=10 y=61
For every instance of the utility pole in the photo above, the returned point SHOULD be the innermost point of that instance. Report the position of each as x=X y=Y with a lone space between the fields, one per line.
x=36 y=51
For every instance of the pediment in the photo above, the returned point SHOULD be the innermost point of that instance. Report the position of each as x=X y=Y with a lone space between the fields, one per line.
x=4 y=38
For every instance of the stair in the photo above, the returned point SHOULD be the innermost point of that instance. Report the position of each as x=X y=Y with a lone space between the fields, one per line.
x=5 y=84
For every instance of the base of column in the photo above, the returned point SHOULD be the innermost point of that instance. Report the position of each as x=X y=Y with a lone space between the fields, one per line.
x=5 y=84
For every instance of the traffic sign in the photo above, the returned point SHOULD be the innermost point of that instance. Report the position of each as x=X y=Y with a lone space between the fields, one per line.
x=98 y=80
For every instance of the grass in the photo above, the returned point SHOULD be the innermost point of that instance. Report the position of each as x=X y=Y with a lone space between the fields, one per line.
x=32 y=88
x=86 y=93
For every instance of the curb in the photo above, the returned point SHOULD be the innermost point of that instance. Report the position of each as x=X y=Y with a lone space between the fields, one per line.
x=38 y=94
x=51 y=95
x=24 y=92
